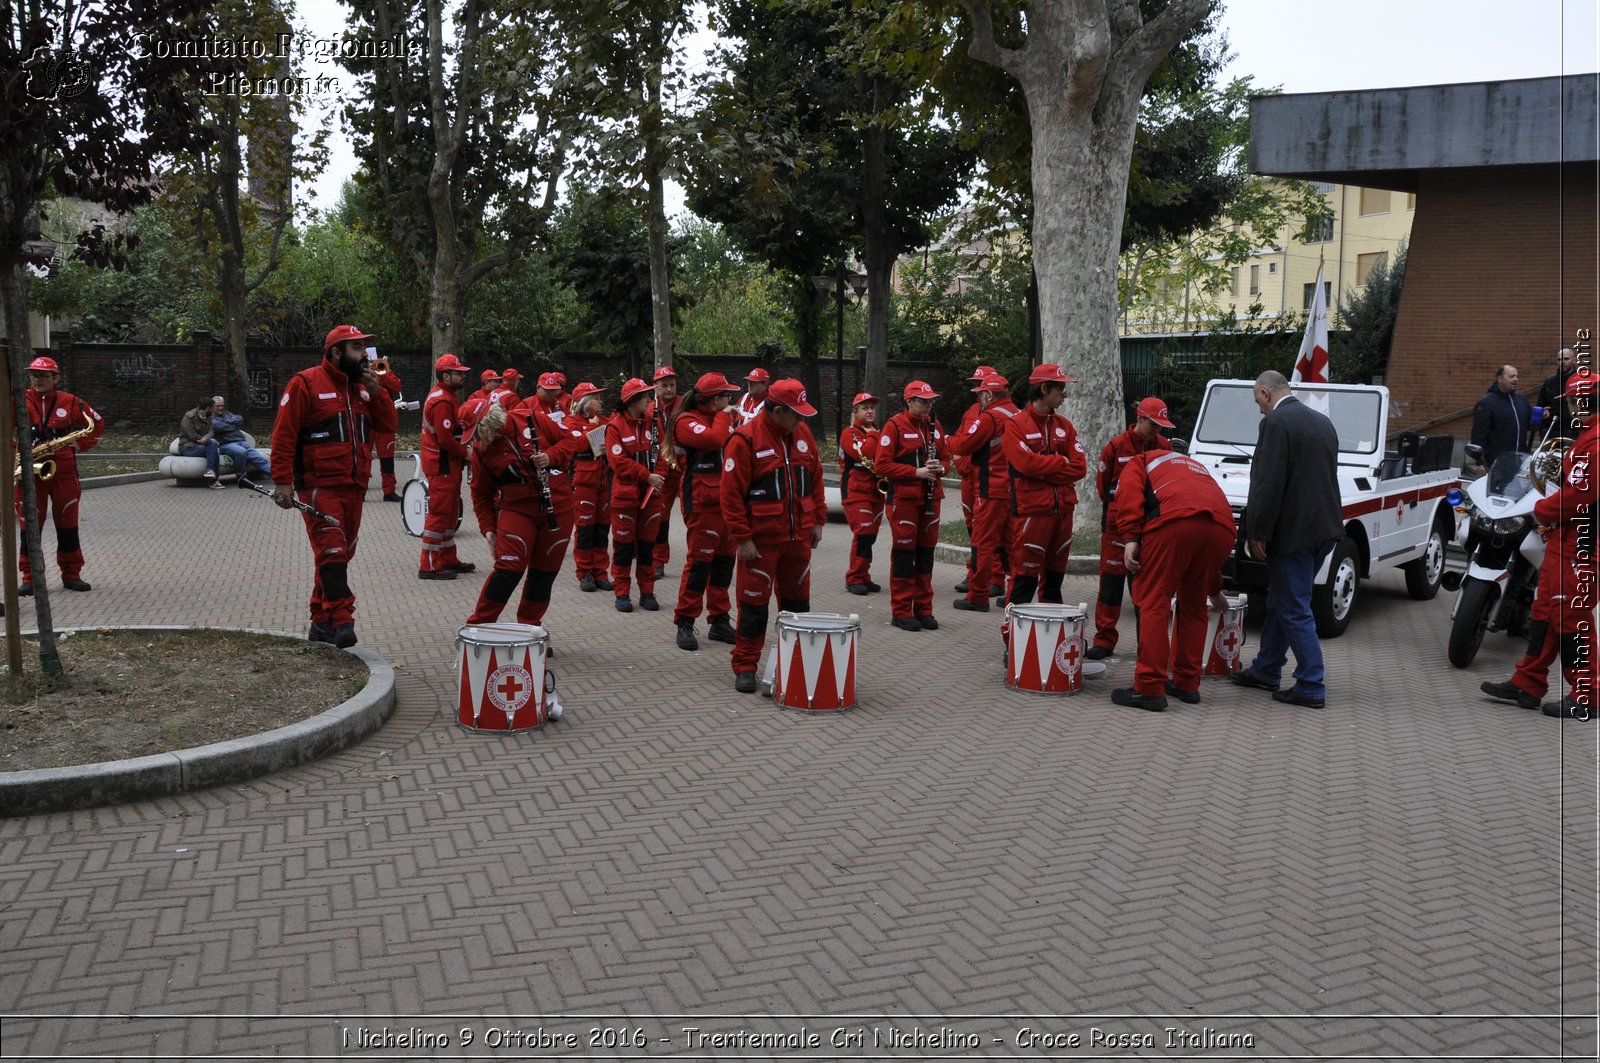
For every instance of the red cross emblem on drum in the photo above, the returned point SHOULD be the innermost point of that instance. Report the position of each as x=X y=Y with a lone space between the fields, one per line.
x=1068 y=653
x=1224 y=653
x=509 y=687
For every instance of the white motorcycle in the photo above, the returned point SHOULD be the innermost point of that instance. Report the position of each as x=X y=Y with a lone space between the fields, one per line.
x=1504 y=549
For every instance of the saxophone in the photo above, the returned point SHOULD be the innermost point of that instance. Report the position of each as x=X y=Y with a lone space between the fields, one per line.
x=882 y=486
x=46 y=469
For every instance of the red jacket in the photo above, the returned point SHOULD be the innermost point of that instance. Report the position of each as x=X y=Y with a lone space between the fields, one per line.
x=772 y=483
x=1121 y=450
x=858 y=441
x=443 y=452
x=903 y=445
x=389 y=382
x=1159 y=487
x=52 y=416
x=1570 y=511
x=702 y=437
x=323 y=435
x=588 y=470
x=628 y=451
x=963 y=459
x=1046 y=460
x=500 y=480
x=981 y=442
x=669 y=462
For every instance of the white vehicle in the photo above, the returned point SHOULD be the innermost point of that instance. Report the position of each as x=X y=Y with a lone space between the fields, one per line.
x=1395 y=512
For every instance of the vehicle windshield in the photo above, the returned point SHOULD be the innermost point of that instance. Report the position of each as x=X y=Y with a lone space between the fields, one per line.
x=1508 y=476
x=1231 y=416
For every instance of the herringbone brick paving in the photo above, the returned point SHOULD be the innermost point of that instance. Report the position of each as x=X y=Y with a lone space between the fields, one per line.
x=1392 y=875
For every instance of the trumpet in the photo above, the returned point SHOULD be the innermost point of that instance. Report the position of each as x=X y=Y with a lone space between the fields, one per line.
x=380 y=367
x=45 y=470
x=1545 y=465
x=882 y=486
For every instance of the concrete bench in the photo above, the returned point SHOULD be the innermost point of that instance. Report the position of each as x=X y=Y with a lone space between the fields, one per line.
x=191 y=472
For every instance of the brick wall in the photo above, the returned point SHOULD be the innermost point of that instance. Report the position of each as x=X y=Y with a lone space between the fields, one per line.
x=1501 y=268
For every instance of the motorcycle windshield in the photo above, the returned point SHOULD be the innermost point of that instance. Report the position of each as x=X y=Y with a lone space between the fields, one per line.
x=1508 y=476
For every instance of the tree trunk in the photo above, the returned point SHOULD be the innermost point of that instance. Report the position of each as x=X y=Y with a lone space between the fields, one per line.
x=879 y=257
x=1035 y=327
x=807 y=334
x=1080 y=184
x=231 y=290
x=656 y=222
x=14 y=305
x=445 y=312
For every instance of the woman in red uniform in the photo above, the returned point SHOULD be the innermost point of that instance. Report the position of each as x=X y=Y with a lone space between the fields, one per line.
x=635 y=495
x=913 y=455
x=522 y=496
x=700 y=429
x=1046 y=462
x=863 y=505
x=52 y=414
x=591 y=485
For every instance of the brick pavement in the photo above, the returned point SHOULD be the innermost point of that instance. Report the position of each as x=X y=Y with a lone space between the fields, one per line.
x=676 y=849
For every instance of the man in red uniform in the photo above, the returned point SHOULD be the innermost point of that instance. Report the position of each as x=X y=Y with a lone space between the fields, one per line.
x=774 y=509
x=635 y=496
x=1144 y=436
x=591 y=485
x=1046 y=462
x=547 y=396
x=700 y=430
x=322 y=449
x=491 y=383
x=666 y=408
x=383 y=442
x=992 y=523
x=963 y=465
x=444 y=459
x=563 y=397
x=522 y=497
x=51 y=415
x=750 y=402
x=858 y=487
x=1563 y=621
x=913 y=455
x=1176 y=529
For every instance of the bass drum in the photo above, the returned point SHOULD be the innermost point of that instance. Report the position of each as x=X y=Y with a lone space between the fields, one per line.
x=414 y=506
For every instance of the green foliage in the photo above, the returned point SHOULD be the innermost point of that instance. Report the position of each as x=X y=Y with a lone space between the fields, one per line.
x=970 y=310
x=602 y=248
x=1232 y=351
x=1363 y=352
x=729 y=305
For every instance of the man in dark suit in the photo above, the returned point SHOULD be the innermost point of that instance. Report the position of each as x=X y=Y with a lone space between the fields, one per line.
x=1292 y=520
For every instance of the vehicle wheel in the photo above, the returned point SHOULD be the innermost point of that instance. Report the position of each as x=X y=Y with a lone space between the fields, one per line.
x=1333 y=602
x=1472 y=620
x=1423 y=574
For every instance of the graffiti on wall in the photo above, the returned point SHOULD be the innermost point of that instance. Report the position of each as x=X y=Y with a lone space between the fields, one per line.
x=140 y=370
x=263 y=395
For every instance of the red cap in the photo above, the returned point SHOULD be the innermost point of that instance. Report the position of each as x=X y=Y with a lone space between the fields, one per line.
x=584 y=390
x=790 y=393
x=563 y=377
x=994 y=382
x=759 y=375
x=1156 y=410
x=865 y=396
x=450 y=362
x=633 y=389
x=711 y=383
x=1048 y=373
x=44 y=365
x=341 y=333
x=1580 y=385
x=920 y=389
x=488 y=375
x=549 y=382
x=664 y=372
x=980 y=374
x=511 y=374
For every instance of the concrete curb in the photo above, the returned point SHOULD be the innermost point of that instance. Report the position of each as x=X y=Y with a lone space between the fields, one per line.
x=91 y=482
x=165 y=774
x=952 y=554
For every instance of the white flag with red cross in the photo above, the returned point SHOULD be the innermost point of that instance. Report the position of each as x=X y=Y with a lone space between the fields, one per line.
x=1311 y=366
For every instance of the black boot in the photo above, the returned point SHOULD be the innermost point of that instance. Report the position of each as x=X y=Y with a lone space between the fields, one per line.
x=721 y=631
x=686 y=639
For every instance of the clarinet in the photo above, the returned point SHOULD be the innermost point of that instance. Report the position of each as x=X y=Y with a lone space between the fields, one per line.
x=541 y=476
x=925 y=454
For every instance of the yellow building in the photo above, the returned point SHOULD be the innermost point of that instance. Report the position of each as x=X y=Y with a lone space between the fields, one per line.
x=1360 y=228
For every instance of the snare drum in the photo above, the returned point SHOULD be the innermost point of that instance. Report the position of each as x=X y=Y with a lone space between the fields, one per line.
x=414 y=506
x=504 y=683
x=1225 y=638
x=1045 y=647
x=812 y=663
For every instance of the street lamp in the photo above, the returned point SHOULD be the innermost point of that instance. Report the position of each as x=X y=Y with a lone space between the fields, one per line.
x=840 y=282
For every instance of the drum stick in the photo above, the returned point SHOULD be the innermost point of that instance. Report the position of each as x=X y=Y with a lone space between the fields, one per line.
x=295 y=502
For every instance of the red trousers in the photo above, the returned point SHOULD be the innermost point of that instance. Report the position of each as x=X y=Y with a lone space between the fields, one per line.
x=709 y=571
x=524 y=542
x=62 y=493
x=332 y=601
x=439 y=530
x=1563 y=625
x=668 y=495
x=383 y=450
x=1181 y=559
x=1040 y=546
x=1108 y=606
x=784 y=565
x=993 y=529
x=634 y=526
x=915 y=532
x=591 y=552
x=864 y=512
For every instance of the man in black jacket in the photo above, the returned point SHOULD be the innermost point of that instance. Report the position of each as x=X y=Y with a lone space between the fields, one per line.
x=1553 y=400
x=1500 y=419
x=1292 y=519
